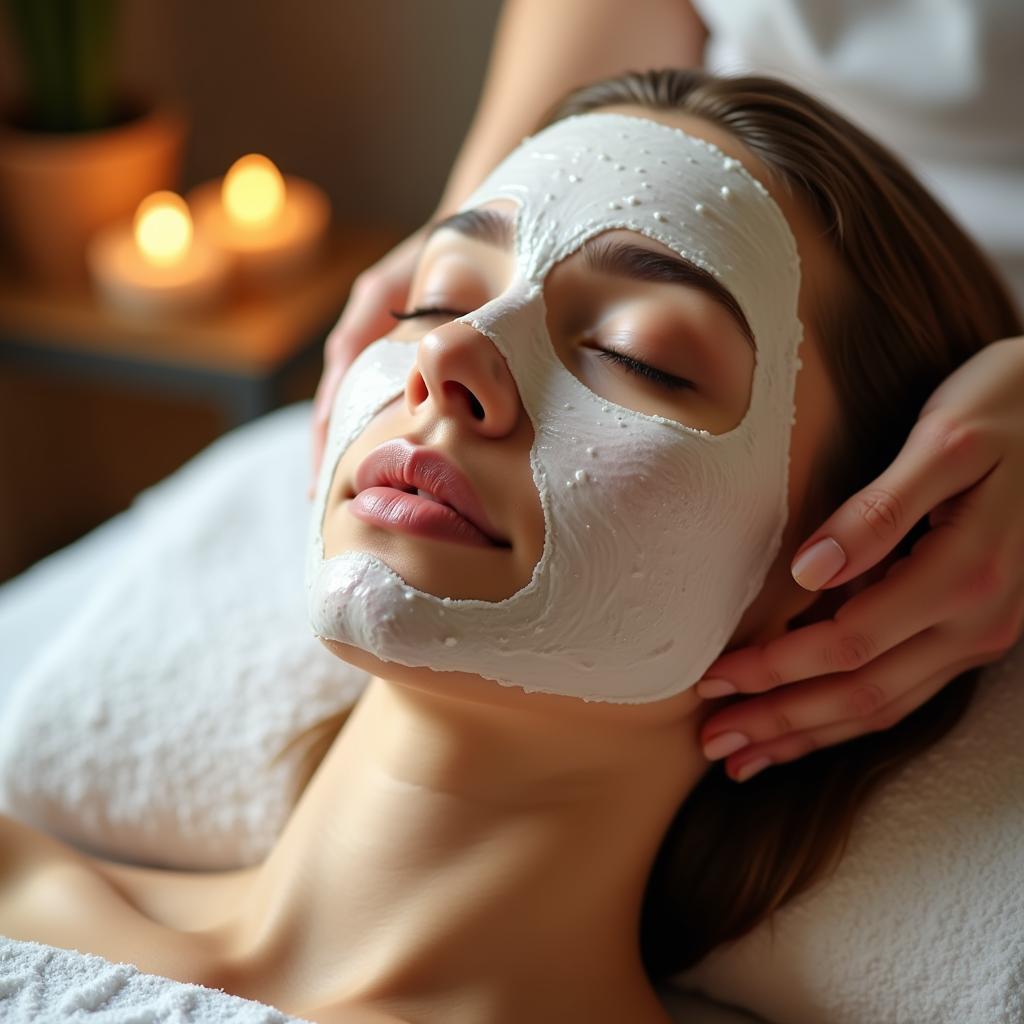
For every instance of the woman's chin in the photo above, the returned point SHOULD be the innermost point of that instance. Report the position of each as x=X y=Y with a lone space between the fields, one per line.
x=473 y=689
x=463 y=685
x=393 y=671
x=358 y=657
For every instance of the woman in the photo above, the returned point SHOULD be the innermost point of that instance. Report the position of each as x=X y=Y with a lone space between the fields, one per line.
x=474 y=852
x=939 y=87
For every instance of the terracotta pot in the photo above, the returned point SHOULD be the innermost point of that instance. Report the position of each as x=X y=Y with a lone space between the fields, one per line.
x=56 y=190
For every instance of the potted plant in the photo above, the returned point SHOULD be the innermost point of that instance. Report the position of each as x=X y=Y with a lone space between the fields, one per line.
x=75 y=152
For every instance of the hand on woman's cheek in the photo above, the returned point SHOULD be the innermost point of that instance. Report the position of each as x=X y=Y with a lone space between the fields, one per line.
x=912 y=624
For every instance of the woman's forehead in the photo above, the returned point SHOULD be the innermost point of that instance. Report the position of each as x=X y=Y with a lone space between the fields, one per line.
x=592 y=173
x=800 y=220
x=708 y=131
x=820 y=265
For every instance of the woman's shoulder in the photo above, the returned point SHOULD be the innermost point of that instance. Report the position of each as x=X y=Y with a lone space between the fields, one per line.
x=26 y=856
x=153 y=918
x=57 y=895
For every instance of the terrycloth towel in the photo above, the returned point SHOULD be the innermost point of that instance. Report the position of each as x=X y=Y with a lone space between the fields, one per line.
x=144 y=729
x=923 y=921
x=42 y=984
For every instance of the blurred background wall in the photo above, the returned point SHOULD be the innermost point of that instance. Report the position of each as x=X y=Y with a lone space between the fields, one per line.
x=370 y=99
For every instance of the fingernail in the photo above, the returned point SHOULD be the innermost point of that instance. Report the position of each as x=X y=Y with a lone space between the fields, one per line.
x=724 y=745
x=752 y=768
x=818 y=564
x=715 y=688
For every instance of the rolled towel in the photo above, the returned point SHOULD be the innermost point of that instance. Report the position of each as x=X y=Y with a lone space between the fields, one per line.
x=144 y=731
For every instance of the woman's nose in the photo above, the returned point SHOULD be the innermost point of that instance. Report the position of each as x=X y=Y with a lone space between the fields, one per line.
x=461 y=371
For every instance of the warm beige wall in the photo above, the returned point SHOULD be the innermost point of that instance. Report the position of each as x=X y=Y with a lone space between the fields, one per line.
x=370 y=98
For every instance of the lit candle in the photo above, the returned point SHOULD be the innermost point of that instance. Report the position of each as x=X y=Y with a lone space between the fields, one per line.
x=271 y=225
x=155 y=264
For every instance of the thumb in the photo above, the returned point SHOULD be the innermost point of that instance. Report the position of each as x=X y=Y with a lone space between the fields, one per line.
x=322 y=403
x=365 y=318
x=938 y=460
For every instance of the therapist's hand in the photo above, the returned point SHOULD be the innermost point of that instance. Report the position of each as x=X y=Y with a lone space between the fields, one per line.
x=366 y=317
x=956 y=601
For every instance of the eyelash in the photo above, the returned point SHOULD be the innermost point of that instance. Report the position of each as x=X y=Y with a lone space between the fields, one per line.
x=643 y=370
x=426 y=311
x=631 y=365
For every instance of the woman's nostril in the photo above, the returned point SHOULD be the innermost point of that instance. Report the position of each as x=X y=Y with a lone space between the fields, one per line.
x=458 y=392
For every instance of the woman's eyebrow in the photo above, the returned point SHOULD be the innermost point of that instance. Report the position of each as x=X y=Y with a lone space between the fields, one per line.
x=611 y=257
x=484 y=225
x=640 y=264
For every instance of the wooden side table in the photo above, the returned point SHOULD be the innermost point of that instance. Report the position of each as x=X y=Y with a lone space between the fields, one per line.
x=97 y=405
x=237 y=355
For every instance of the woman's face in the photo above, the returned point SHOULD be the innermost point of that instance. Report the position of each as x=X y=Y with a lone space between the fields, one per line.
x=628 y=324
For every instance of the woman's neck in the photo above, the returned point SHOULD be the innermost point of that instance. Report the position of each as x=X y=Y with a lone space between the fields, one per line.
x=455 y=860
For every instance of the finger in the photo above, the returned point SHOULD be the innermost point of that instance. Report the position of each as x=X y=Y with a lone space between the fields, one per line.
x=318 y=441
x=917 y=593
x=795 y=745
x=833 y=698
x=366 y=318
x=322 y=404
x=949 y=572
x=367 y=315
x=940 y=458
x=323 y=398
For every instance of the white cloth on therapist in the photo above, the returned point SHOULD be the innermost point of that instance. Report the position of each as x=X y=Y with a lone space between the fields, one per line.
x=939 y=83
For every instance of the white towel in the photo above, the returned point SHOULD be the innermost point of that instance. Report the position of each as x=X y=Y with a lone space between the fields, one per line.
x=43 y=984
x=175 y=694
x=144 y=728
x=923 y=921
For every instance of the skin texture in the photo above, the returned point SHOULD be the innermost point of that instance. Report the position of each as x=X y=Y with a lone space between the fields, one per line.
x=466 y=852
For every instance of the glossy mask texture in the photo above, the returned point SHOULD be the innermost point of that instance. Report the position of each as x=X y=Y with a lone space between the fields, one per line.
x=638 y=588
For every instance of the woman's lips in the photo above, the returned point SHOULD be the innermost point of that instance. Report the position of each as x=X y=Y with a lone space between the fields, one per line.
x=390 y=507
x=394 y=487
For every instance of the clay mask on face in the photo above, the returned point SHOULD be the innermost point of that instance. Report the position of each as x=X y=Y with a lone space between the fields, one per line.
x=657 y=535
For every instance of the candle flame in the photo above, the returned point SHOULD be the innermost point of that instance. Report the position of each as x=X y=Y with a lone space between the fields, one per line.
x=163 y=228
x=253 y=191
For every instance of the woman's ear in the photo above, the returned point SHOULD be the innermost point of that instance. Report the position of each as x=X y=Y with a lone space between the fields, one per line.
x=799 y=608
x=785 y=606
x=824 y=604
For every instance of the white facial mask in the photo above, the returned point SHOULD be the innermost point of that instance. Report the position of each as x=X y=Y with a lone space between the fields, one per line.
x=657 y=535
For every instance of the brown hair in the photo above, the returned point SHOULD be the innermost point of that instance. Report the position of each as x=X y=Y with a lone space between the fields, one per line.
x=918 y=299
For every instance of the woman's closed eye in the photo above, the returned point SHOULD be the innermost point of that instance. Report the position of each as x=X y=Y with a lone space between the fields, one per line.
x=628 y=363
x=427 y=311
x=634 y=366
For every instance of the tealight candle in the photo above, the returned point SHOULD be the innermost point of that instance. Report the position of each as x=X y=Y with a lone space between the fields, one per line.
x=271 y=225
x=155 y=264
